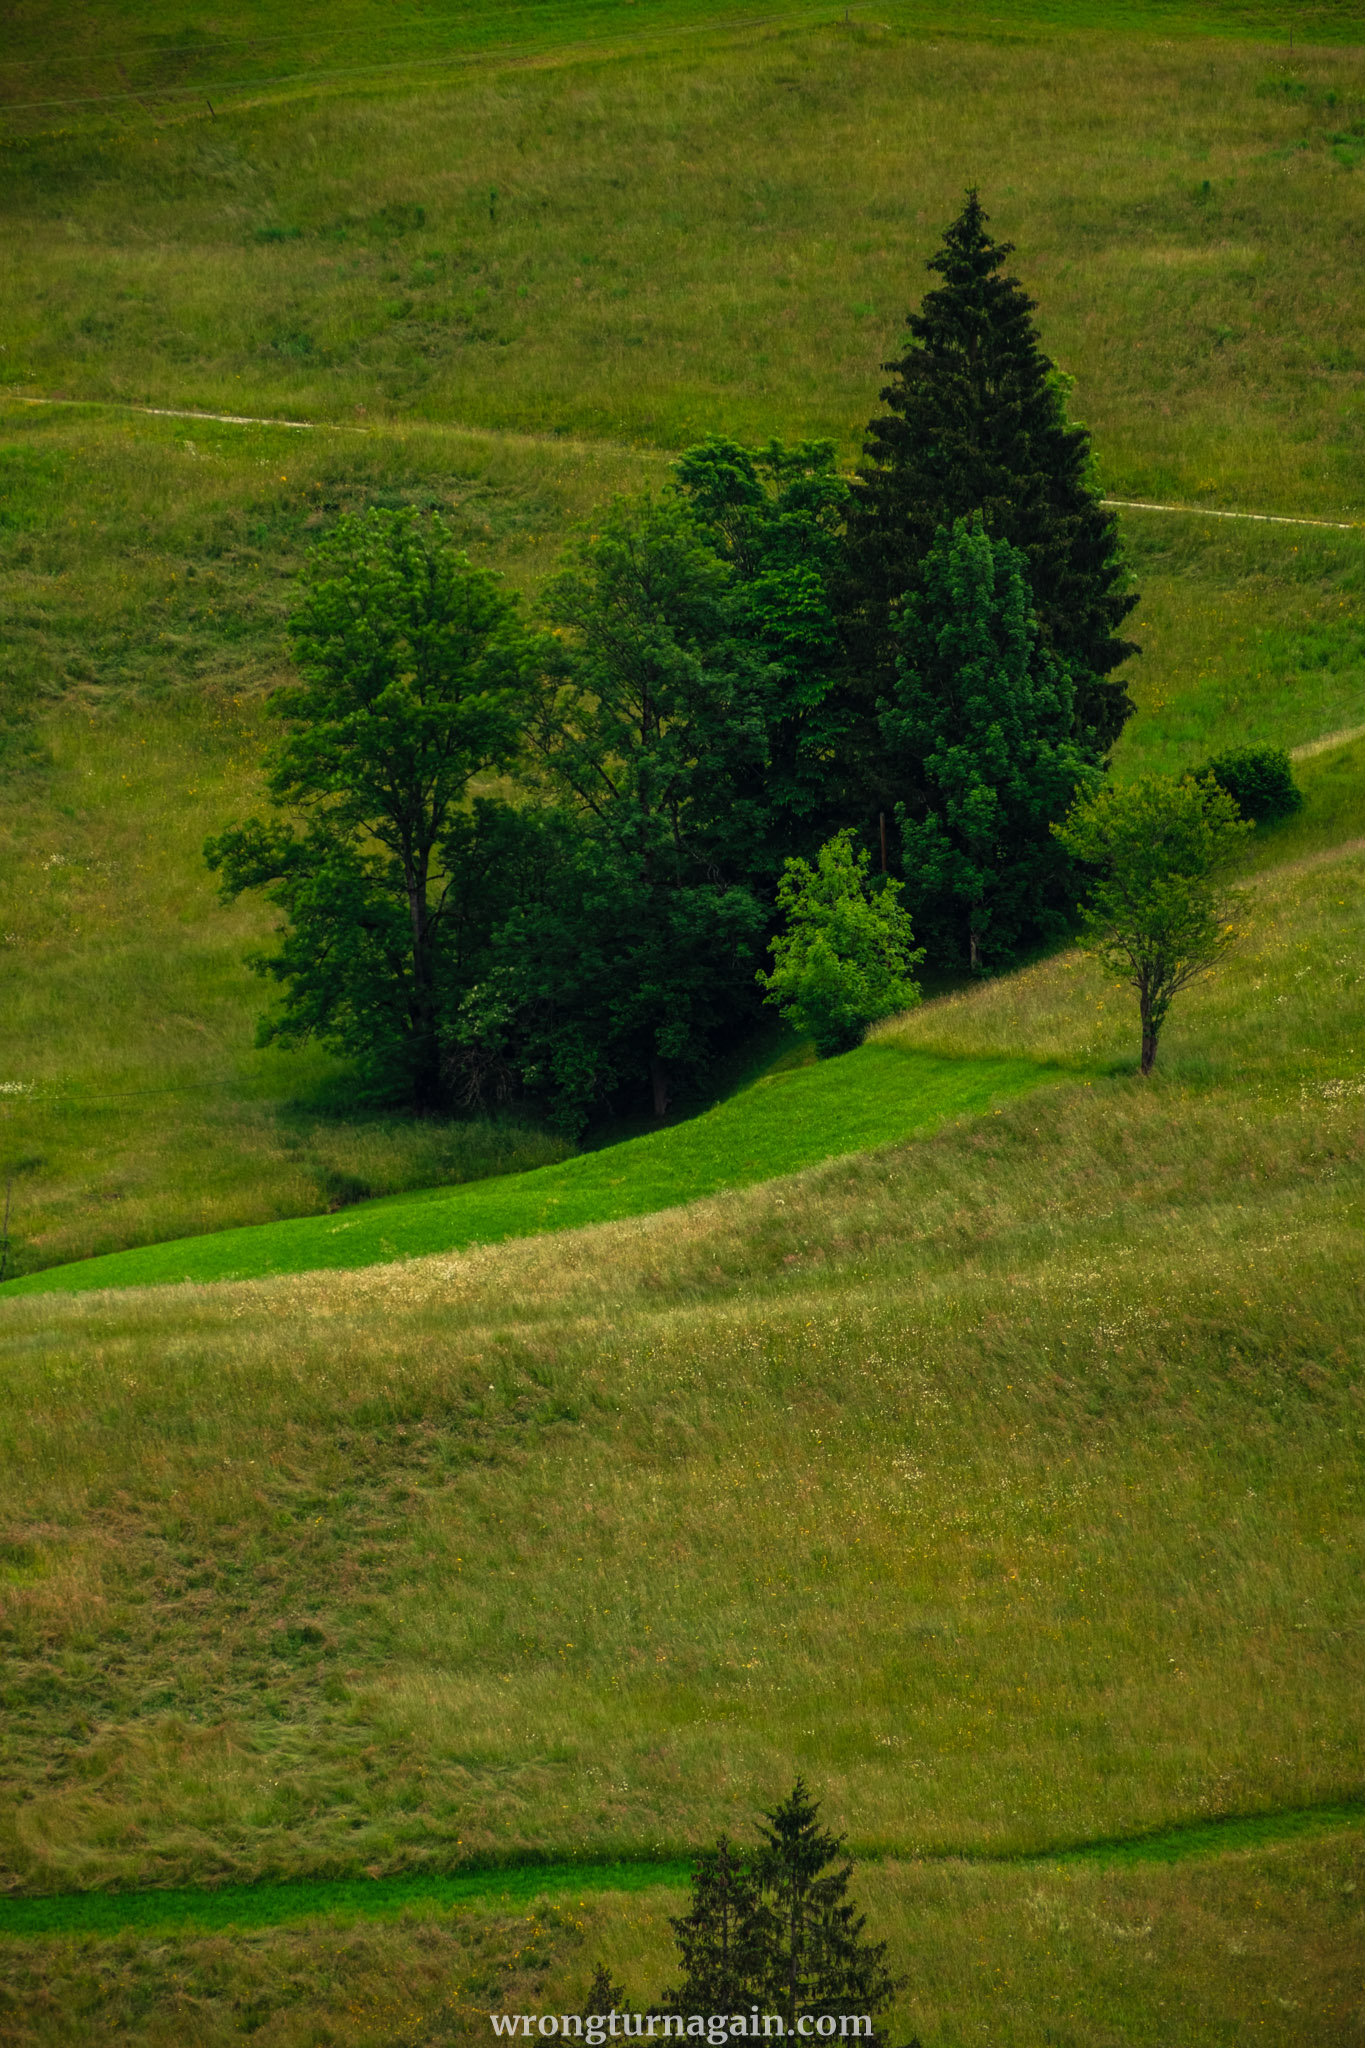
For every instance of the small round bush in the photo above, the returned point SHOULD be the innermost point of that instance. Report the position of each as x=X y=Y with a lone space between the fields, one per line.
x=1259 y=780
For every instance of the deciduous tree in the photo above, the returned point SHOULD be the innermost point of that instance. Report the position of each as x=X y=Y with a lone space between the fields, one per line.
x=652 y=727
x=411 y=672
x=775 y=516
x=1159 y=913
x=846 y=958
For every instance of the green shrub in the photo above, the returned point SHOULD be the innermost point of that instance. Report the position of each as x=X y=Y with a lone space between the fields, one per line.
x=1260 y=781
x=845 y=960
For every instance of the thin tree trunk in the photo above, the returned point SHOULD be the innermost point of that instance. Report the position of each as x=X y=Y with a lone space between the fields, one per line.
x=658 y=1075
x=1148 y=1046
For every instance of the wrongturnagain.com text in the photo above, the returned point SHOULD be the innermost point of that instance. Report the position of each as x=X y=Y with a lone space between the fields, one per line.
x=717 y=2029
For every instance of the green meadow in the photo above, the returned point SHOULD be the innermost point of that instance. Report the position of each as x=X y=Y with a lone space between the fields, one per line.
x=1041 y=1435
x=793 y=1117
x=963 y=1422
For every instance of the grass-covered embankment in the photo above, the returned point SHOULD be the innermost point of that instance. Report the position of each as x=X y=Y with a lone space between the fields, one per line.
x=1030 y=1447
x=793 y=1117
x=1200 y=1953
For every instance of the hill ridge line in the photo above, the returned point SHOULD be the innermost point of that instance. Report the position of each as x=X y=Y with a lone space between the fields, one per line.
x=579 y=446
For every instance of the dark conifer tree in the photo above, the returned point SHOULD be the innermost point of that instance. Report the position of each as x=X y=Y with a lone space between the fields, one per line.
x=977 y=422
x=721 y=1939
x=816 y=1955
x=604 y=1997
x=978 y=728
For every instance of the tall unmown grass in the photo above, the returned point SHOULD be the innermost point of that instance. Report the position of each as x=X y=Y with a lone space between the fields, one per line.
x=1043 y=1437
x=729 y=238
x=1259 y=1946
x=60 y=58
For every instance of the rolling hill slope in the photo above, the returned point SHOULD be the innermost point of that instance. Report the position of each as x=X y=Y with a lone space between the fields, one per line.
x=1002 y=1472
x=787 y=1120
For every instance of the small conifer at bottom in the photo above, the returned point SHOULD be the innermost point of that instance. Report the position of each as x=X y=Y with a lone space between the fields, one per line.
x=773 y=1927
x=604 y=1997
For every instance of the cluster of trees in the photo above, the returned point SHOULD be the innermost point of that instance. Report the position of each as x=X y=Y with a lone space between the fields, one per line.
x=546 y=857
x=771 y=1931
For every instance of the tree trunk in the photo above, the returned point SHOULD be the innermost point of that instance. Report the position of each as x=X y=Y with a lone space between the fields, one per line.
x=658 y=1075
x=1148 y=1046
x=974 y=942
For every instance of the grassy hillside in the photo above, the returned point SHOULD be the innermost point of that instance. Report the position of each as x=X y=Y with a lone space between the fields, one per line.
x=727 y=234
x=723 y=232
x=123 y=60
x=1074 y=1956
x=1042 y=1436
x=1006 y=1481
x=795 y=1116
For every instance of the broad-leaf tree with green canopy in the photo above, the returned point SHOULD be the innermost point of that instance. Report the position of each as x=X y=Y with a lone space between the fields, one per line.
x=847 y=956
x=412 y=667
x=1160 y=912
x=775 y=516
x=651 y=728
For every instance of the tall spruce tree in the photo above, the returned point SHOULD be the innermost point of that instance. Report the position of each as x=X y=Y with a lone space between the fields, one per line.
x=815 y=1952
x=977 y=422
x=721 y=1938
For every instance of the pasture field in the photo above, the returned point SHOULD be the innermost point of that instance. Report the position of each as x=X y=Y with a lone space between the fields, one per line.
x=1006 y=1480
x=1043 y=1435
x=795 y=1116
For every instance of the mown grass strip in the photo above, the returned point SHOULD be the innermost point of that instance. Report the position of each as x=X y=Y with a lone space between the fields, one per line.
x=272 y=1905
x=786 y=1121
x=269 y=1905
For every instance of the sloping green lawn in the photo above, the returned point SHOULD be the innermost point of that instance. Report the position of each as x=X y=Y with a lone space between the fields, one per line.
x=787 y=1120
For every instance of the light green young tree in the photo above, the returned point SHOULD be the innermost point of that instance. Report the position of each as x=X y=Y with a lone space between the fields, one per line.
x=1159 y=911
x=846 y=956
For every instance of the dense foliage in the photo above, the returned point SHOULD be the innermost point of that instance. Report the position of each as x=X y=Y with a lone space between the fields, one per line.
x=979 y=735
x=728 y=687
x=410 y=665
x=773 y=1927
x=1260 y=781
x=846 y=958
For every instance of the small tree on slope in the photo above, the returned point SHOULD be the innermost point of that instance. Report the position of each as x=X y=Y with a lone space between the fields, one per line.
x=774 y=1927
x=845 y=959
x=976 y=422
x=720 y=1939
x=1159 y=913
